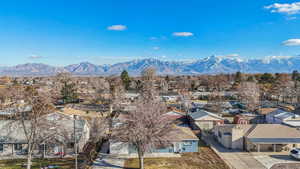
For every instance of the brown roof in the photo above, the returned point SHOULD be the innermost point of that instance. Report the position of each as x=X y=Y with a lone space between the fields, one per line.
x=182 y=133
x=70 y=111
x=265 y=111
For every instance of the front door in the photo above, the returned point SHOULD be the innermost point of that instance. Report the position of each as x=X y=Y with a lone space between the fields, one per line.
x=177 y=147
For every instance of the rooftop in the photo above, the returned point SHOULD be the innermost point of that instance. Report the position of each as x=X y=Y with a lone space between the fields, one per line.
x=274 y=133
x=265 y=111
x=182 y=133
x=81 y=113
x=202 y=113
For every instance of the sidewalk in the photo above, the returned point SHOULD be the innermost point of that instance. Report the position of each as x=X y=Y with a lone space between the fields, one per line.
x=107 y=161
x=234 y=159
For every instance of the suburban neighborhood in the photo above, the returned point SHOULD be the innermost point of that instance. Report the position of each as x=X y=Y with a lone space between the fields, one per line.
x=231 y=120
x=149 y=84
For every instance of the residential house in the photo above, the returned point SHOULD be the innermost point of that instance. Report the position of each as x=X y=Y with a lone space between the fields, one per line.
x=204 y=120
x=60 y=136
x=265 y=111
x=279 y=116
x=131 y=95
x=258 y=137
x=198 y=104
x=181 y=140
x=179 y=118
x=248 y=118
x=294 y=122
x=170 y=96
x=206 y=94
x=86 y=112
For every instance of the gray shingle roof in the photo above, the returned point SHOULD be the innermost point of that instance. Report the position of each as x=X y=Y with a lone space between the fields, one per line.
x=202 y=113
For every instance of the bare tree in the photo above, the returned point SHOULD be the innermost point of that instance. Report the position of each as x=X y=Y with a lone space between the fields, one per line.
x=99 y=128
x=58 y=84
x=217 y=85
x=145 y=128
x=249 y=93
x=3 y=97
x=216 y=101
x=116 y=91
x=185 y=99
x=33 y=124
x=149 y=73
x=148 y=91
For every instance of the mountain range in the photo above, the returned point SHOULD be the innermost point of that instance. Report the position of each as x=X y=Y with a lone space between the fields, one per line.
x=208 y=65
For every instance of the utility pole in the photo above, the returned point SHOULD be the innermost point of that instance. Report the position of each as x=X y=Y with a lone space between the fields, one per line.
x=75 y=144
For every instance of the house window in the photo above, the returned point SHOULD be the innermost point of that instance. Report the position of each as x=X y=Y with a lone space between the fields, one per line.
x=18 y=146
x=70 y=145
x=1 y=147
x=187 y=143
x=227 y=134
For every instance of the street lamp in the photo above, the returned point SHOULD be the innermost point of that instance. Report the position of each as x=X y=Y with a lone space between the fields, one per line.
x=75 y=145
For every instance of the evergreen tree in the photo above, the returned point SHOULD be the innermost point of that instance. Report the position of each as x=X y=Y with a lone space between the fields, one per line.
x=238 y=77
x=69 y=92
x=267 y=78
x=251 y=79
x=125 y=79
x=296 y=75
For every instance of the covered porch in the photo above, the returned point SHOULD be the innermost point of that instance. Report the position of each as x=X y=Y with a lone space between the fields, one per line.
x=272 y=145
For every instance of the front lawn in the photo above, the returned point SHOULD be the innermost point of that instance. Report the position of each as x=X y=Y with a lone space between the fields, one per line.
x=204 y=159
x=65 y=163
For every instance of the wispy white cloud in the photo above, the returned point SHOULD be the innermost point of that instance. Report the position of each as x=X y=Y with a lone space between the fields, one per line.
x=291 y=42
x=233 y=55
x=35 y=56
x=183 y=34
x=117 y=27
x=285 y=8
x=154 y=38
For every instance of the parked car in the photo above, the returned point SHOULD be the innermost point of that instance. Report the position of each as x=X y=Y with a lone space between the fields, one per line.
x=22 y=152
x=295 y=153
x=60 y=154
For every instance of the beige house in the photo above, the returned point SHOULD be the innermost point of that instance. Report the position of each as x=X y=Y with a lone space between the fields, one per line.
x=204 y=120
x=258 y=137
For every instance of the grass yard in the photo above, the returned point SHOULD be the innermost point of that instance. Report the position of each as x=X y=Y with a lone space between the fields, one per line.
x=204 y=159
x=65 y=163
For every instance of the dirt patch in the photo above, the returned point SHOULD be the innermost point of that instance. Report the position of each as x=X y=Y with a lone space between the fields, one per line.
x=204 y=159
x=65 y=163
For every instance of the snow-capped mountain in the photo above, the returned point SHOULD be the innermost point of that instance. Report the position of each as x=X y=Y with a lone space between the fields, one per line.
x=136 y=66
x=85 y=68
x=31 y=69
x=208 y=65
x=216 y=64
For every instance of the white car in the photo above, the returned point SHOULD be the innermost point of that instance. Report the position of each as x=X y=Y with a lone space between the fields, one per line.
x=295 y=153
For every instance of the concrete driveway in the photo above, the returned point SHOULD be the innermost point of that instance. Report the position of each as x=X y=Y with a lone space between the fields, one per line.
x=106 y=161
x=234 y=159
x=286 y=166
x=271 y=159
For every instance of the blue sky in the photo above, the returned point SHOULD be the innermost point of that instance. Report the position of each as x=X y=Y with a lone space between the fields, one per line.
x=60 y=32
